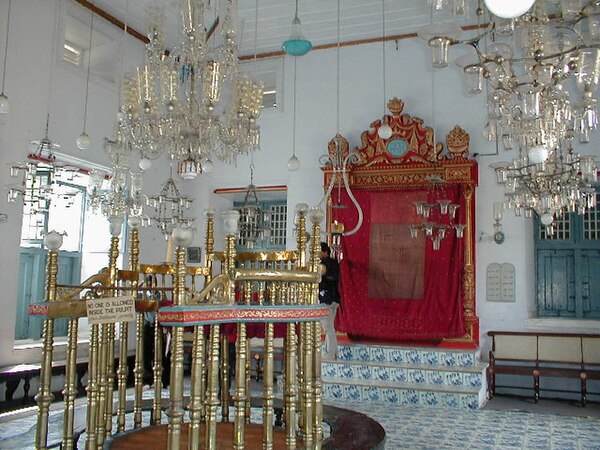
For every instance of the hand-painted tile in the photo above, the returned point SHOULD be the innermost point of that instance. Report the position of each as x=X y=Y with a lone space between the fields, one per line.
x=453 y=379
x=413 y=356
x=336 y=391
x=352 y=392
x=434 y=377
x=361 y=353
x=416 y=376
x=390 y=396
x=399 y=374
x=377 y=354
x=328 y=370
x=448 y=358
x=345 y=371
x=428 y=398
x=465 y=359
x=472 y=379
x=382 y=373
x=449 y=400
x=362 y=372
x=431 y=358
x=411 y=397
x=371 y=393
x=344 y=352
x=396 y=356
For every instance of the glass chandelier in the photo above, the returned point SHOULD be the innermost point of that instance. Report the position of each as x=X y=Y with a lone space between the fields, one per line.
x=169 y=208
x=253 y=223
x=528 y=61
x=41 y=177
x=191 y=100
x=438 y=213
x=122 y=199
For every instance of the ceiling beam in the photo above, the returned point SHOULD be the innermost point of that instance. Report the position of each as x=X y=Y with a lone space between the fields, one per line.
x=397 y=37
x=112 y=19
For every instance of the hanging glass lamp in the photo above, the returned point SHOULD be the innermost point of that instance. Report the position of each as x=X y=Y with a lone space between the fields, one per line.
x=296 y=44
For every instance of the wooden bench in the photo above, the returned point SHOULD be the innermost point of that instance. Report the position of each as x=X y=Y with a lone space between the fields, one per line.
x=13 y=375
x=544 y=355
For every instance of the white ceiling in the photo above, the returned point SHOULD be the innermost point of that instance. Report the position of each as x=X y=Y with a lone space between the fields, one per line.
x=359 y=19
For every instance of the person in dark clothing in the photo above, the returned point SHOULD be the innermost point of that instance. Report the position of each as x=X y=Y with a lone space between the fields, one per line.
x=148 y=342
x=329 y=294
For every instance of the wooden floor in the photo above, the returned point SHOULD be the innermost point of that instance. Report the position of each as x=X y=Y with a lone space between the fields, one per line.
x=155 y=437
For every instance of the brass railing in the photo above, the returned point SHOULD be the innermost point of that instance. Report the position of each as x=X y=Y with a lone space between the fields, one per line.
x=265 y=288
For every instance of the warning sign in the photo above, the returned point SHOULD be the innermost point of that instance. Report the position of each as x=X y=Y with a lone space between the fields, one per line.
x=111 y=309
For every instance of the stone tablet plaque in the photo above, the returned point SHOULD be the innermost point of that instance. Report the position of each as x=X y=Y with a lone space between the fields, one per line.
x=500 y=282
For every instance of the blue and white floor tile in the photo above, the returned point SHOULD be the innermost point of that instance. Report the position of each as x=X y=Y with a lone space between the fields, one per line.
x=413 y=428
x=435 y=428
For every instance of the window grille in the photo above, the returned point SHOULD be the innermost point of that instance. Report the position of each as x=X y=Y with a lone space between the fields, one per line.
x=561 y=229
x=591 y=222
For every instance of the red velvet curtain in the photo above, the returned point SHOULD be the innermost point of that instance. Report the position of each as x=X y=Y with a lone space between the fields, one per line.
x=426 y=300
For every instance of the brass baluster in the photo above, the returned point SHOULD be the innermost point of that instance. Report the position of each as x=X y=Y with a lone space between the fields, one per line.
x=70 y=389
x=290 y=390
x=93 y=389
x=138 y=369
x=301 y=211
x=157 y=372
x=241 y=394
x=268 y=395
x=182 y=238
x=316 y=217
x=196 y=406
x=212 y=400
x=306 y=389
x=102 y=385
x=209 y=242
x=44 y=396
x=110 y=378
x=224 y=378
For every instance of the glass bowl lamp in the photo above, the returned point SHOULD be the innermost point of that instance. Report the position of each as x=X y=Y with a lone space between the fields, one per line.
x=296 y=44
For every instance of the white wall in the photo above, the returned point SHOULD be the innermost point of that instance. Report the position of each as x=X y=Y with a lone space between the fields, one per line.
x=361 y=102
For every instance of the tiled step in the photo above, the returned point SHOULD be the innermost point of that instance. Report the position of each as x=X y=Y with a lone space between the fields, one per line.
x=408 y=355
x=403 y=394
x=405 y=375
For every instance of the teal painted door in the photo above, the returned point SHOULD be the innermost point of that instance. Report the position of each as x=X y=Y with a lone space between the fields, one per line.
x=32 y=279
x=568 y=267
x=590 y=283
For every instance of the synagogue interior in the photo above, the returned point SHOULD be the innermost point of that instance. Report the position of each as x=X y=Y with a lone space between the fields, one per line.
x=176 y=175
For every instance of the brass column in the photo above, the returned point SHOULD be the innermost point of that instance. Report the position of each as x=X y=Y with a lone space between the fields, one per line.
x=196 y=406
x=123 y=369
x=183 y=238
x=268 y=395
x=93 y=389
x=316 y=218
x=44 y=397
x=301 y=211
x=138 y=369
x=224 y=378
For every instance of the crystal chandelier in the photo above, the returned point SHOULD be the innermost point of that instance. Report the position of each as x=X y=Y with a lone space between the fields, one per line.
x=528 y=61
x=253 y=223
x=169 y=208
x=121 y=199
x=41 y=177
x=438 y=213
x=174 y=101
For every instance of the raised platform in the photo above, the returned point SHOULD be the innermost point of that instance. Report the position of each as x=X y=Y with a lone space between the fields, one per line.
x=406 y=375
